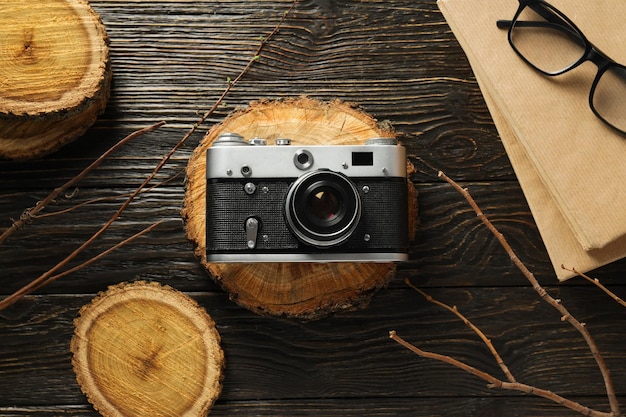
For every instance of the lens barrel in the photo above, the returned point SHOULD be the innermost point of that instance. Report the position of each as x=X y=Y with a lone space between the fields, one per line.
x=322 y=208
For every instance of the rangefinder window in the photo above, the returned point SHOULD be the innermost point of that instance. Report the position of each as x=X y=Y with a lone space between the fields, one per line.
x=362 y=159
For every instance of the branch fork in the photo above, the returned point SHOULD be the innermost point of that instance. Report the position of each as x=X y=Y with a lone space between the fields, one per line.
x=512 y=383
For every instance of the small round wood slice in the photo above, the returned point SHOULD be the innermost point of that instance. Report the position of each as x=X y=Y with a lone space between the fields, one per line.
x=142 y=349
x=301 y=290
x=55 y=74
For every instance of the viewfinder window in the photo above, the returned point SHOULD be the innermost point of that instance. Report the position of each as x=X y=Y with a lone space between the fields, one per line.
x=362 y=158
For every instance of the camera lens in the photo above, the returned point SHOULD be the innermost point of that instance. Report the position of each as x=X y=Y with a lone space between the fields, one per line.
x=324 y=205
x=323 y=208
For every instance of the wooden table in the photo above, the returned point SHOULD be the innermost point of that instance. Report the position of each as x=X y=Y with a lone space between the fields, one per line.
x=399 y=62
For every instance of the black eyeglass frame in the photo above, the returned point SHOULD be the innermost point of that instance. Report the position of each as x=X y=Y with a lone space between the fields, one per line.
x=591 y=53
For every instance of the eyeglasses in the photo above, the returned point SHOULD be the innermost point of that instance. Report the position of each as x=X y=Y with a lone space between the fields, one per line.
x=551 y=43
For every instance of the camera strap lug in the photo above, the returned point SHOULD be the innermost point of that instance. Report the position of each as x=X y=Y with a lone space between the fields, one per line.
x=252 y=231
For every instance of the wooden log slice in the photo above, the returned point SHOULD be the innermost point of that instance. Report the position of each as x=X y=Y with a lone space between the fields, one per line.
x=143 y=349
x=302 y=290
x=55 y=74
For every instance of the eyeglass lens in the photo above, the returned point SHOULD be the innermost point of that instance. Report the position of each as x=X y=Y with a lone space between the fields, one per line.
x=609 y=97
x=545 y=40
x=553 y=45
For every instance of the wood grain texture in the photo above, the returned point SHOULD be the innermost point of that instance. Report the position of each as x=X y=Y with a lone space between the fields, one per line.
x=399 y=62
x=429 y=407
x=349 y=356
x=146 y=349
x=55 y=73
x=294 y=289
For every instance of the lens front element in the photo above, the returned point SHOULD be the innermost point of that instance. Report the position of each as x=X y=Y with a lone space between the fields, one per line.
x=323 y=208
x=324 y=205
x=608 y=97
x=546 y=40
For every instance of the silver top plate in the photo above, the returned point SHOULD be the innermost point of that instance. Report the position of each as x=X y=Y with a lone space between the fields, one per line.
x=290 y=161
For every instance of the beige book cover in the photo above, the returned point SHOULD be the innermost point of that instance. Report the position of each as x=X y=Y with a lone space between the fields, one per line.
x=569 y=164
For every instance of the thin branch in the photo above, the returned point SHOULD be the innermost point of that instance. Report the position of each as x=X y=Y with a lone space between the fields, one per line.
x=497 y=383
x=35 y=285
x=565 y=314
x=42 y=279
x=597 y=283
x=79 y=205
x=29 y=214
x=454 y=310
x=103 y=199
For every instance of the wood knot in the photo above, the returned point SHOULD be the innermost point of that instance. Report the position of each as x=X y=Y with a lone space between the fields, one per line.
x=147 y=366
x=27 y=52
x=143 y=346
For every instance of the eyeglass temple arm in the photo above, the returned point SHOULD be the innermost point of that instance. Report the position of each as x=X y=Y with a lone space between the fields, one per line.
x=551 y=20
x=506 y=24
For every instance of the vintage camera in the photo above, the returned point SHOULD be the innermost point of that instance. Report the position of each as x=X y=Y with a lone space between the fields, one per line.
x=313 y=203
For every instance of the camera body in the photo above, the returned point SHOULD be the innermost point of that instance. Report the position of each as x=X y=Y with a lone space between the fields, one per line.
x=313 y=203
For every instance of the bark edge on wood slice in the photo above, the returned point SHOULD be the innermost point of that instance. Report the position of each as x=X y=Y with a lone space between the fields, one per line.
x=55 y=74
x=143 y=349
x=300 y=290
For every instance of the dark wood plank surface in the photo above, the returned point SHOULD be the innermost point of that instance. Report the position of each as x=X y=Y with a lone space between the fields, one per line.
x=399 y=62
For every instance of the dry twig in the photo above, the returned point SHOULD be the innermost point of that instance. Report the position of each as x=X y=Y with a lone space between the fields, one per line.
x=597 y=283
x=104 y=199
x=38 y=283
x=49 y=275
x=31 y=213
x=565 y=316
x=454 y=310
x=498 y=383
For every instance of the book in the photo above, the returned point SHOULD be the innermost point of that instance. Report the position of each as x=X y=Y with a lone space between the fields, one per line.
x=570 y=165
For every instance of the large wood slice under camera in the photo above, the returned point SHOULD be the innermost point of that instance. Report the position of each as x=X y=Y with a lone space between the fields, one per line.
x=55 y=74
x=302 y=290
x=142 y=349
